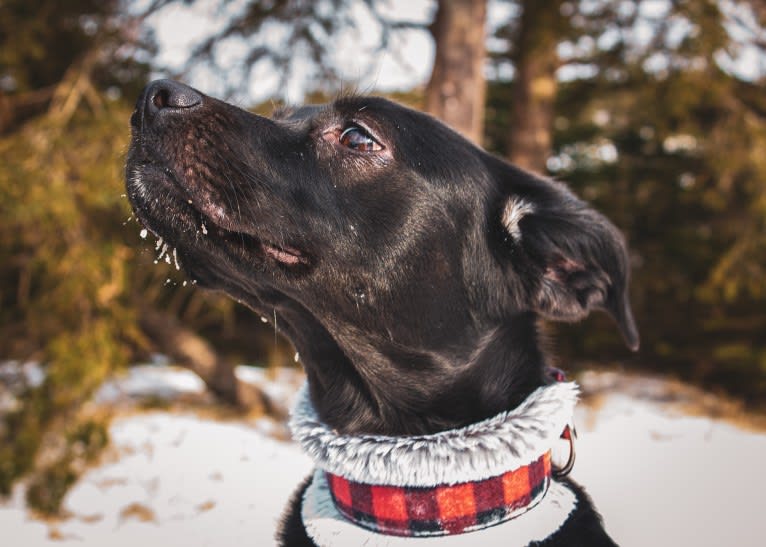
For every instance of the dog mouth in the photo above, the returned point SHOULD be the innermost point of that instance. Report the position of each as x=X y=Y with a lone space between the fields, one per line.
x=289 y=256
x=198 y=214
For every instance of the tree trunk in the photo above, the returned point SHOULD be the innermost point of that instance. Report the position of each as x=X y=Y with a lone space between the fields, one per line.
x=456 y=90
x=535 y=85
x=15 y=109
x=192 y=351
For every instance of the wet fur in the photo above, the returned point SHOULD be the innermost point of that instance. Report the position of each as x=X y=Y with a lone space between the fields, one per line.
x=407 y=280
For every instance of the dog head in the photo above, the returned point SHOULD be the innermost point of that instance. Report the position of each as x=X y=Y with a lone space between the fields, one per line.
x=384 y=243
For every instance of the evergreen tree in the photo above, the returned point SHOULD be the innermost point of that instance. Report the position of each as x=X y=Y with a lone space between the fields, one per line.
x=652 y=124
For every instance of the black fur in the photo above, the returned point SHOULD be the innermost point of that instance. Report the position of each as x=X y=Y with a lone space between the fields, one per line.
x=413 y=306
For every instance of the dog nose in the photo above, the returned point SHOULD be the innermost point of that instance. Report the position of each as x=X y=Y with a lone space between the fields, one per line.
x=167 y=95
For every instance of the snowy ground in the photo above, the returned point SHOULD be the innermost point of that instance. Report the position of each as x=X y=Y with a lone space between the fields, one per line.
x=658 y=476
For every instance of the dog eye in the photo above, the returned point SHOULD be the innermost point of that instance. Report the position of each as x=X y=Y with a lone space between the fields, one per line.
x=358 y=139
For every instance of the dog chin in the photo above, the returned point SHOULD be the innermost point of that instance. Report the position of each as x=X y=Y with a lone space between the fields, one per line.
x=189 y=213
x=194 y=225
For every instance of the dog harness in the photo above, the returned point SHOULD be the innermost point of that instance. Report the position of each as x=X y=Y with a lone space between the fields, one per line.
x=483 y=478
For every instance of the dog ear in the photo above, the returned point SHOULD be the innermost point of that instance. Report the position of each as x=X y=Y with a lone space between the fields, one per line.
x=570 y=259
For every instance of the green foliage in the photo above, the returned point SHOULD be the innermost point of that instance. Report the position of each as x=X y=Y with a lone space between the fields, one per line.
x=95 y=44
x=88 y=438
x=63 y=256
x=48 y=486
x=47 y=490
x=39 y=38
x=74 y=277
x=674 y=156
x=21 y=438
x=60 y=251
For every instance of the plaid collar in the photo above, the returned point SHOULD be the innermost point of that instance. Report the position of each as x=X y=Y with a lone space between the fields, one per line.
x=444 y=509
x=327 y=527
x=442 y=484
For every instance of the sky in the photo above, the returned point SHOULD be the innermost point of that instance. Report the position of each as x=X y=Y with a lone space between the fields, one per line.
x=405 y=64
x=177 y=27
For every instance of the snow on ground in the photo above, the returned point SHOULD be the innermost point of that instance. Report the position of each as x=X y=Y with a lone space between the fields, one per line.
x=177 y=480
x=664 y=479
x=152 y=380
x=659 y=477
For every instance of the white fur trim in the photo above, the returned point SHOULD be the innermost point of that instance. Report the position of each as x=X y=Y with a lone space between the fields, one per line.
x=516 y=209
x=327 y=527
x=478 y=451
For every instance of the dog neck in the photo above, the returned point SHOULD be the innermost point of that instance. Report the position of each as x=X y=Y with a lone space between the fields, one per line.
x=382 y=389
x=456 y=481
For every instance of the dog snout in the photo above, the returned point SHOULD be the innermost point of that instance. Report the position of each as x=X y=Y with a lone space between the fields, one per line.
x=167 y=97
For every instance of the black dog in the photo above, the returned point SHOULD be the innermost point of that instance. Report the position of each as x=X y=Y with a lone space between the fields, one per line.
x=407 y=266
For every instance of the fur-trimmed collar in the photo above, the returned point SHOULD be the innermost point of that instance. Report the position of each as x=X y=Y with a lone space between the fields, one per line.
x=510 y=440
x=478 y=451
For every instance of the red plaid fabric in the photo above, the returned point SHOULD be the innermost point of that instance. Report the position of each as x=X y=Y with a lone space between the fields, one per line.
x=445 y=509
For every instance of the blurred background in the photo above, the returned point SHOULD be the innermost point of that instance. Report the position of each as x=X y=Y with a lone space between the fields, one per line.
x=652 y=110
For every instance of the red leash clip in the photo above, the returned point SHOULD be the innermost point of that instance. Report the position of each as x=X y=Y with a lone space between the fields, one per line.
x=559 y=472
x=569 y=433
